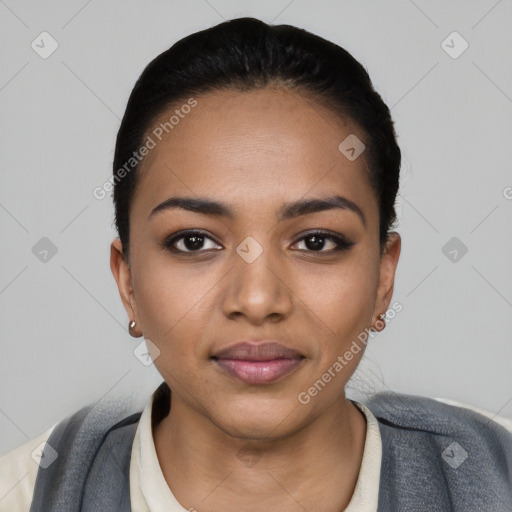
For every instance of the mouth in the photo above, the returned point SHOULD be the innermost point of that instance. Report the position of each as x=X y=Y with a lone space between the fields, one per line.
x=258 y=363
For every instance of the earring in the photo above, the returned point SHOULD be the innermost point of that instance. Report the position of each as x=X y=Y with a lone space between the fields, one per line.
x=131 y=329
x=381 y=321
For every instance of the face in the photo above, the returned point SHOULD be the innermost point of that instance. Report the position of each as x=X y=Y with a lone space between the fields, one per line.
x=253 y=267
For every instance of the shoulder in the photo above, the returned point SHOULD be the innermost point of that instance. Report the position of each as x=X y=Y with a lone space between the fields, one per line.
x=18 y=472
x=436 y=416
x=73 y=440
x=505 y=422
x=443 y=452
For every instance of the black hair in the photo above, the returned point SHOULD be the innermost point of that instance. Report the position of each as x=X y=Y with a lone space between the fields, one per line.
x=244 y=54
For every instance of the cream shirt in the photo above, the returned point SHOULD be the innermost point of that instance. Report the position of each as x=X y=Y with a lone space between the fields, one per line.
x=149 y=491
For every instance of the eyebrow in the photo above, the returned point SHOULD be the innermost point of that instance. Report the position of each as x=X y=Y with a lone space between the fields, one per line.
x=288 y=211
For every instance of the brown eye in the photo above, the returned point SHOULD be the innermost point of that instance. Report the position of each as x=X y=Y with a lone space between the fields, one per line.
x=189 y=241
x=316 y=241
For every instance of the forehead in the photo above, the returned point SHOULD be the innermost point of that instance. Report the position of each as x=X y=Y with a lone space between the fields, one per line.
x=266 y=144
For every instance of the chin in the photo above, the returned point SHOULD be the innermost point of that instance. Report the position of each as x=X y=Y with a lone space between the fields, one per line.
x=257 y=419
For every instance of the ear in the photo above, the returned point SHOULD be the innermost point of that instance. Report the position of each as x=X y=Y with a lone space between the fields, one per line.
x=122 y=275
x=388 y=264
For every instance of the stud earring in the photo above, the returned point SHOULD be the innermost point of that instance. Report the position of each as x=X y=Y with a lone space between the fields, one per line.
x=131 y=329
x=382 y=323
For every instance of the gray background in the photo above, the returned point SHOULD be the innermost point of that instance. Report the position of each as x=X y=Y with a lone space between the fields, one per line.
x=64 y=330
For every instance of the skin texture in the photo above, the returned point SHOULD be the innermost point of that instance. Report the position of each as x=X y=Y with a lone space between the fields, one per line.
x=227 y=445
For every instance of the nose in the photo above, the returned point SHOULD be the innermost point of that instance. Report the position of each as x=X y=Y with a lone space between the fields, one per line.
x=259 y=290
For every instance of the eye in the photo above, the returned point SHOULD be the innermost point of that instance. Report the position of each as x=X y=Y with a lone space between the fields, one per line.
x=188 y=241
x=315 y=241
x=197 y=241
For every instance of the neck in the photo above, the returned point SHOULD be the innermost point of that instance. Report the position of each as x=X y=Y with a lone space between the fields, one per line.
x=208 y=470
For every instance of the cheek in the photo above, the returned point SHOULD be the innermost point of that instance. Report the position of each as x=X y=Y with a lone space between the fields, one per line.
x=172 y=307
x=167 y=292
x=344 y=311
x=340 y=296
x=339 y=306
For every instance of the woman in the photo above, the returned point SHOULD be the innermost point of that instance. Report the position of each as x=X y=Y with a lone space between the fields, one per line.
x=255 y=177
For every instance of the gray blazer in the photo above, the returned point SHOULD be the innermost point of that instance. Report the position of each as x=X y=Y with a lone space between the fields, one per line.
x=435 y=458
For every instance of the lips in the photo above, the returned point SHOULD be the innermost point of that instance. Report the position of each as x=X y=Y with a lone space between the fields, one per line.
x=253 y=351
x=258 y=363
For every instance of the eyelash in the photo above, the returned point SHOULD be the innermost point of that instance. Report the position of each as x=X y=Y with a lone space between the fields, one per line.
x=342 y=244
